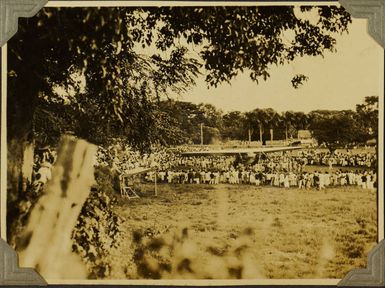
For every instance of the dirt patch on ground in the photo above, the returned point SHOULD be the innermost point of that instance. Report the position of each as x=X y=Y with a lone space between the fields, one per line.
x=245 y=232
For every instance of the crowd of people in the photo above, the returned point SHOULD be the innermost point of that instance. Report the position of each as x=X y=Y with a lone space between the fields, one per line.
x=346 y=159
x=44 y=160
x=276 y=169
x=305 y=180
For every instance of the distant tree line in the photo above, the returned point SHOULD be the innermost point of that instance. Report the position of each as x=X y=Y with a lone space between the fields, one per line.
x=329 y=127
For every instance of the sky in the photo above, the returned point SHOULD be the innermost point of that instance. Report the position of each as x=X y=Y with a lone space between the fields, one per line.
x=336 y=82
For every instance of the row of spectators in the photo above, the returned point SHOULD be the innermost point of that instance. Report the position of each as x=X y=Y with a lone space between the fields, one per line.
x=346 y=159
x=320 y=180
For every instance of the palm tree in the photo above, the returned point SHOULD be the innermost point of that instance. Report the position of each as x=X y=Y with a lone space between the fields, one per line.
x=249 y=123
x=273 y=120
x=264 y=118
x=288 y=118
x=261 y=120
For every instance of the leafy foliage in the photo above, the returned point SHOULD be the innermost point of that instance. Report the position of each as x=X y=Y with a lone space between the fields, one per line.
x=232 y=127
x=101 y=46
x=237 y=39
x=368 y=117
x=179 y=123
x=178 y=256
x=335 y=130
x=109 y=86
x=340 y=128
x=298 y=80
x=183 y=121
x=19 y=208
x=98 y=226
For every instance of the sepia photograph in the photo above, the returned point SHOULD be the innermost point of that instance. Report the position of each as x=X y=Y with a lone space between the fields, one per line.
x=193 y=142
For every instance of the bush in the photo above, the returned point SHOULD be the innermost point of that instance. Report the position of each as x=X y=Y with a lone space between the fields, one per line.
x=106 y=180
x=97 y=228
x=19 y=208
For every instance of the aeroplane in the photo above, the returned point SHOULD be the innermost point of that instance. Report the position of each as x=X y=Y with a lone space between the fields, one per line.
x=244 y=155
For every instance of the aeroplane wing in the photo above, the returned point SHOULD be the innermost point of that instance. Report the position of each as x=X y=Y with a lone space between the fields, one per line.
x=137 y=171
x=247 y=151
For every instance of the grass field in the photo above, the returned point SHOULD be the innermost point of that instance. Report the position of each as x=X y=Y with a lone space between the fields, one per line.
x=245 y=232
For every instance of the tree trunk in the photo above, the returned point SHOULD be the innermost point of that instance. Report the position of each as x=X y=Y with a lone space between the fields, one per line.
x=271 y=134
x=249 y=135
x=202 y=142
x=286 y=134
x=260 y=132
x=48 y=235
